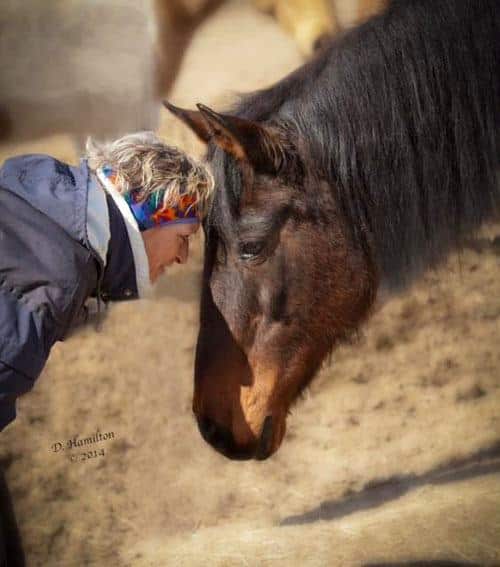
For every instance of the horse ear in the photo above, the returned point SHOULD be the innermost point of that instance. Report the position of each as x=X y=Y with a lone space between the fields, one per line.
x=244 y=139
x=193 y=119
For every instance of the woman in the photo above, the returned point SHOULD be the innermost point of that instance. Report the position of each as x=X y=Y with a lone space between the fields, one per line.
x=106 y=229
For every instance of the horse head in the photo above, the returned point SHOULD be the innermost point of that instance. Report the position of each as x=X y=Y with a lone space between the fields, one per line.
x=364 y=167
x=283 y=281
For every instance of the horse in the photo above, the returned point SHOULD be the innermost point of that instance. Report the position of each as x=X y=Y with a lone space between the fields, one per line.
x=90 y=68
x=311 y=22
x=350 y=177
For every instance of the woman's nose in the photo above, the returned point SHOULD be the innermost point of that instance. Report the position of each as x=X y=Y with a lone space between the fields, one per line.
x=183 y=252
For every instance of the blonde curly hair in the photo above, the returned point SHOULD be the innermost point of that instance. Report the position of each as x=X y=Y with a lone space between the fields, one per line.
x=144 y=163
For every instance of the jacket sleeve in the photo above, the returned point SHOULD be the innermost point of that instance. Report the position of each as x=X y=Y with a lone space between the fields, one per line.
x=28 y=331
x=45 y=277
x=12 y=384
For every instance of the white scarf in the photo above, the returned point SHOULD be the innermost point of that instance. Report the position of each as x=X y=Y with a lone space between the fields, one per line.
x=144 y=286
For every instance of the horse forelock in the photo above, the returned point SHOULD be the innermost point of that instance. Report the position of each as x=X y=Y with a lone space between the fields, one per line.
x=228 y=188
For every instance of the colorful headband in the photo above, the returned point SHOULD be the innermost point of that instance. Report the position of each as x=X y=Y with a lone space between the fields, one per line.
x=150 y=212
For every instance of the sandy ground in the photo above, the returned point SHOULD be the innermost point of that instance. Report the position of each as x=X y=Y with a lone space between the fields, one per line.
x=392 y=456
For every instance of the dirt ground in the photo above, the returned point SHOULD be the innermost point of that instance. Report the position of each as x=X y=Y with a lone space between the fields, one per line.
x=392 y=456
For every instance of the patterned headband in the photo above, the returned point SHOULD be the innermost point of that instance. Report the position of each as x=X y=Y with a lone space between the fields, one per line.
x=151 y=212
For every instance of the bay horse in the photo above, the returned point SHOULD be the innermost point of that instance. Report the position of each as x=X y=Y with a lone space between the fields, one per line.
x=356 y=173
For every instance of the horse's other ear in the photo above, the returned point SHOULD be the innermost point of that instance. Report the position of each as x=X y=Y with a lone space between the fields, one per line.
x=193 y=119
x=244 y=139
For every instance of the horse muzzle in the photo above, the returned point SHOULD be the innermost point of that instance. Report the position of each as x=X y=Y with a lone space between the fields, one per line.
x=222 y=439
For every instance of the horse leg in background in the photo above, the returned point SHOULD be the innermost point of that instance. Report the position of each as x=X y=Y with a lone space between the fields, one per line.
x=176 y=24
x=308 y=21
x=368 y=8
x=173 y=22
x=353 y=12
x=311 y=22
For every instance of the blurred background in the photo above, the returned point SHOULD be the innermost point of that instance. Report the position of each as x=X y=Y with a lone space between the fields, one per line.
x=392 y=456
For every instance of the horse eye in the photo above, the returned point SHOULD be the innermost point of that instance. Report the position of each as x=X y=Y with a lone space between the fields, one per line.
x=250 y=250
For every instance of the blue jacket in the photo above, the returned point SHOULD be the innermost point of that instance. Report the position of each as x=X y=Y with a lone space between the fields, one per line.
x=48 y=269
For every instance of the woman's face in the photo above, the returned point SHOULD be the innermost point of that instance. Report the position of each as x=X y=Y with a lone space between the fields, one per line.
x=167 y=244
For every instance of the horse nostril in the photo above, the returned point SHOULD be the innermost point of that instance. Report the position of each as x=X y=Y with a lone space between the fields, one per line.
x=264 y=448
x=219 y=437
x=222 y=440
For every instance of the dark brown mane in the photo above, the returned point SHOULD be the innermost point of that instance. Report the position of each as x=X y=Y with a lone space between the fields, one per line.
x=402 y=118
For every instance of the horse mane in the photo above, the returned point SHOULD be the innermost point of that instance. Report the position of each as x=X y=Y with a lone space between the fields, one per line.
x=402 y=117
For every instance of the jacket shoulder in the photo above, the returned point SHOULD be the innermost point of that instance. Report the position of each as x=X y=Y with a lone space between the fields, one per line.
x=56 y=189
x=45 y=277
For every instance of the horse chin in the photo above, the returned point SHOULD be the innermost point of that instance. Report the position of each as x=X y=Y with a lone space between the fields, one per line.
x=261 y=448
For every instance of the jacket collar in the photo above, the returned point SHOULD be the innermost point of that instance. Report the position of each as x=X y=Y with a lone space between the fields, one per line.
x=143 y=287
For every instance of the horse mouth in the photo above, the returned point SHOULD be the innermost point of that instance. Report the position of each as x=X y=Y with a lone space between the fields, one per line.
x=222 y=440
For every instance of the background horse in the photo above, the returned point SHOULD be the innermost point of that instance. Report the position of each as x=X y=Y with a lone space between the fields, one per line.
x=311 y=21
x=359 y=171
x=90 y=68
